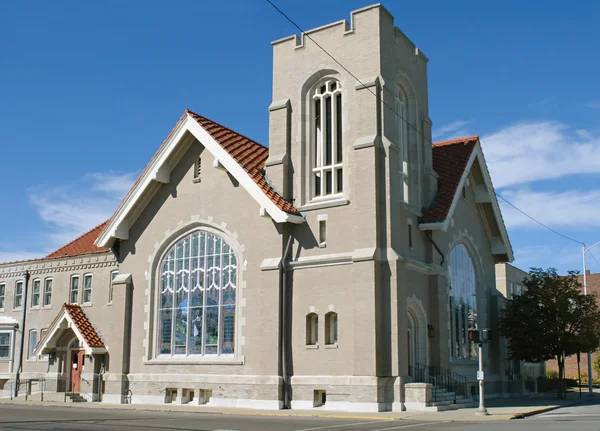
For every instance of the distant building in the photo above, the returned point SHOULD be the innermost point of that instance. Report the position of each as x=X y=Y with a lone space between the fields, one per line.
x=593 y=288
x=510 y=283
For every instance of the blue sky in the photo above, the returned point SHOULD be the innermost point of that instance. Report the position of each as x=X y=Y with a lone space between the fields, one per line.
x=88 y=91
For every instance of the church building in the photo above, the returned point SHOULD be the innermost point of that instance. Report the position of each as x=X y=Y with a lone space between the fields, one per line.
x=340 y=267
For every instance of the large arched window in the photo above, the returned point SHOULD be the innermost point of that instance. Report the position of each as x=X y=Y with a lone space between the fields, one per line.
x=463 y=302
x=327 y=149
x=402 y=142
x=197 y=301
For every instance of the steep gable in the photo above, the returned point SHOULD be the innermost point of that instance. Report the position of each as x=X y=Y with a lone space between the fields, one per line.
x=242 y=157
x=454 y=160
x=450 y=159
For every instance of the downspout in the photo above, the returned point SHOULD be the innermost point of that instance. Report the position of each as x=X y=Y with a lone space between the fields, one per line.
x=430 y=236
x=284 y=320
x=23 y=316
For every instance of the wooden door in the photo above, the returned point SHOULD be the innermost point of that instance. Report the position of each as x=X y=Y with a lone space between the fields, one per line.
x=76 y=370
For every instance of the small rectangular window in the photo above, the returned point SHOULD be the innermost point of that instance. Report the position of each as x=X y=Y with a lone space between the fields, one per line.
x=197 y=170
x=410 y=235
x=35 y=293
x=74 y=296
x=320 y=398
x=18 y=294
x=322 y=233
x=5 y=345
x=110 y=286
x=204 y=396
x=33 y=339
x=87 y=289
x=2 y=293
x=47 y=292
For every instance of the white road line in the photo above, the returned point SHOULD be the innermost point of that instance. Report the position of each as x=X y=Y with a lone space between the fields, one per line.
x=411 y=426
x=345 y=425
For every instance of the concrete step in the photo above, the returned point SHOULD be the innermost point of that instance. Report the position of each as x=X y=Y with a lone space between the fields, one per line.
x=446 y=407
x=76 y=398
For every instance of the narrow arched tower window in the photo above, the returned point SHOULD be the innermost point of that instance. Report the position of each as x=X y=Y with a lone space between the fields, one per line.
x=327 y=146
x=402 y=143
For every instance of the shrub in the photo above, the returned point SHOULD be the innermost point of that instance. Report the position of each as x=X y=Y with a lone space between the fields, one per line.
x=551 y=374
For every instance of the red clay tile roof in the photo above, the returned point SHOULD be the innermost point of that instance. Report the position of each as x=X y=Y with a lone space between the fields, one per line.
x=250 y=155
x=82 y=245
x=449 y=162
x=85 y=327
x=83 y=324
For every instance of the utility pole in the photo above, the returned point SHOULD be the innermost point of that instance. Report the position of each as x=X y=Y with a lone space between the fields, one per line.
x=589 y=354
x=23 y=315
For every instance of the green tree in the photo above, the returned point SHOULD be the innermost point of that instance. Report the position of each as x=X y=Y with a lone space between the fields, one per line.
x=551 y=319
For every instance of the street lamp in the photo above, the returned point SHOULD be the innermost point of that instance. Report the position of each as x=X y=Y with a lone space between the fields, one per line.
x=584 y=250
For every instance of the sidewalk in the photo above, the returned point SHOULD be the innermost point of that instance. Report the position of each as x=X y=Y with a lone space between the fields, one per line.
x=498 y=409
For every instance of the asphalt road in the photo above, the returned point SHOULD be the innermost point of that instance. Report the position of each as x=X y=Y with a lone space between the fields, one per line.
x=19 y=417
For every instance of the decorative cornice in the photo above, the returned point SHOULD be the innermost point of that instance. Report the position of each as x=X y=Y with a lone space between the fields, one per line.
x=106 y=259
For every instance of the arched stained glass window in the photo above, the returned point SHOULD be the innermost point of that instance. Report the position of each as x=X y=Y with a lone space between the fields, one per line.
x=463 y=303
x=196 y=315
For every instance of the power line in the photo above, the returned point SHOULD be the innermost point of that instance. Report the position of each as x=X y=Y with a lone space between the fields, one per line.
x=539 y=222
x=406 y=121
x=594 y=257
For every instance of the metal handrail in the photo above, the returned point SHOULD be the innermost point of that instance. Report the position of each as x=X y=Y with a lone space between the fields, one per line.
x=441 y=379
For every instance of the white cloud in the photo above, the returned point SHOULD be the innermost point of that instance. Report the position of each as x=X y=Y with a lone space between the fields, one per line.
x=595 y=104
x=528 y=152
x=568 y=208
x=544 y=256
x=457 y=128
x=73 y=209
x=11 y=256
x=111 y=182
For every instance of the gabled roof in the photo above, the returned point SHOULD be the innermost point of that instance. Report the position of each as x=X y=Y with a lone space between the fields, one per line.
x=72 y=316
x=450 y=159
x=453 y=160
x=249 y=154
x=82 y=245
x=242 y=157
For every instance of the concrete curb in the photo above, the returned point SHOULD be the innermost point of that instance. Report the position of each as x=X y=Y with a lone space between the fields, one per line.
x=141 y=407
x=546 y=409
x=536 y=412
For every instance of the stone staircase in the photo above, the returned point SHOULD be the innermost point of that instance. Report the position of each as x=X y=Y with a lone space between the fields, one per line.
x=444 y=400
x=449 y=390
x=73 y=397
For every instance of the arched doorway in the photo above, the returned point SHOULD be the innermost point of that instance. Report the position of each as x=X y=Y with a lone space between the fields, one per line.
x=417 y=350
x=412 y=340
